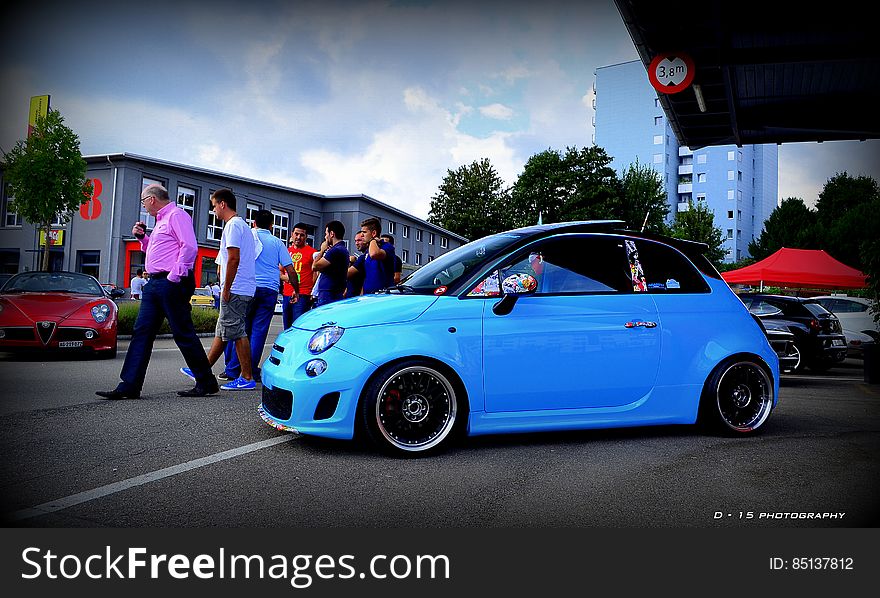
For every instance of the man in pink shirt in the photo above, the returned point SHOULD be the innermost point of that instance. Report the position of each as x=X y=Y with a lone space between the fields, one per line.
x=170 y=254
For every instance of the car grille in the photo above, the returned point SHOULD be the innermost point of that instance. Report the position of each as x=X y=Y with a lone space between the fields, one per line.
x=278 y=402
x=19 y=334
x=73 y=334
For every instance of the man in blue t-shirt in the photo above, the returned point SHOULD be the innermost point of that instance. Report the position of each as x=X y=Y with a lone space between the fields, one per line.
x=379 y=260
x=271 y=253
x=332 y=262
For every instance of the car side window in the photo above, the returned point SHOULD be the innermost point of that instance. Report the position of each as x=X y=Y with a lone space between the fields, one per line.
x=659 y=268
x=566 y=265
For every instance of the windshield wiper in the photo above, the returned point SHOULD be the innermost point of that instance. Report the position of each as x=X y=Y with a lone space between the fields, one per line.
x=400 y=288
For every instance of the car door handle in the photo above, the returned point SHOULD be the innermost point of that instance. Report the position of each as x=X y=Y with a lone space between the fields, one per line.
x=638 y=323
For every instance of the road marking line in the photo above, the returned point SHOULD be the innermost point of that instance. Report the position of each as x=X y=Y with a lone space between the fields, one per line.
x=153 y=476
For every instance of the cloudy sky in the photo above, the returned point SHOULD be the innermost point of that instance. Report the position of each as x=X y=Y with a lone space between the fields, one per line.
x=376 y=97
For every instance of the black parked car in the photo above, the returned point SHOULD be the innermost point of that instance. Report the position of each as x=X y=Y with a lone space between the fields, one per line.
x=819 y=339
x=783 y=342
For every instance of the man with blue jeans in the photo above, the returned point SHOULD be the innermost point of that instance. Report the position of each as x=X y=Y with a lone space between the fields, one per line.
x=272 y=254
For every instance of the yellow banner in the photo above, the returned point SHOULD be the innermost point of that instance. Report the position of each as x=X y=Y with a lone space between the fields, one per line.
x=39 y=107
x=56 y=238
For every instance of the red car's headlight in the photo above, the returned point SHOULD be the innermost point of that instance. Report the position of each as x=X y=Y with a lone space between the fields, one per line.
x=101 y=312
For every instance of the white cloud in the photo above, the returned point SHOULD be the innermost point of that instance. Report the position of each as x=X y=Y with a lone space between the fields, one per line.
x=405 y=163
x=497 y=111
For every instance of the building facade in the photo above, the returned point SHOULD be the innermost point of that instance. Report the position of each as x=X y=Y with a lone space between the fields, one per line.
x=738 y=184
x=97 y=238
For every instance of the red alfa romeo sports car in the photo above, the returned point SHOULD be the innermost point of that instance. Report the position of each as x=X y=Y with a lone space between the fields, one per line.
x=57 y=311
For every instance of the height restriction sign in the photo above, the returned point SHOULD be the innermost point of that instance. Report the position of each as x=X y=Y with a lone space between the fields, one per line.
x=671 y=72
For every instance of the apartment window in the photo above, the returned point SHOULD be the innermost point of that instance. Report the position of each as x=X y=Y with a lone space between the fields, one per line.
x=730 y=174
x=658 y=158
x=739 y=234
x=58 y=219
x=730 y=155
x=730 y=214
x=405 y=257
x=739 y=175
x=730 y=194
x=9 y=259
x=405 y=231
x=701 y=158
x=430 y=258
x=215 y=225
x=739 y=194
x=144 y=216
x=701 y=197
x=418 y=234
x=656 y=102
x=701 y=177
x=658 y=139
x=88 y=262
x=186 y=199
x=444 y=242
x=658 y=120
x=418 y=259
x=729 y=233
x=281 y=225
x=11 y=218
x=739 y=215
x=252 y=210
x=391 y=227
x=430 y=240
x=740 y=157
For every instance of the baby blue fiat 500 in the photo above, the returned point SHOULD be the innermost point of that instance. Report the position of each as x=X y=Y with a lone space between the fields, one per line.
x=555 y=327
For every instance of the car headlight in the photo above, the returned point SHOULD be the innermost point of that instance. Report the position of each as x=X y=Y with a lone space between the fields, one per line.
x=101 y=312
x=324 y=338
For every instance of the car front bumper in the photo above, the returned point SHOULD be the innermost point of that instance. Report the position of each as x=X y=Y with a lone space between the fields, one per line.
x=323 y=405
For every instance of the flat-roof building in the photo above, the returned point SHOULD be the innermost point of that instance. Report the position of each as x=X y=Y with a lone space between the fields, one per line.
x=97 y=239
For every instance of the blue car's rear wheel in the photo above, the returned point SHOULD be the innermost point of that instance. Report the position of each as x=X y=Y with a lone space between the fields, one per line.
x=410 y=408
x=739 y=396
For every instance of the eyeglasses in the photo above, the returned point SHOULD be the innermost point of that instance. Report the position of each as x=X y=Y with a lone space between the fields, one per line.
x=143 y=199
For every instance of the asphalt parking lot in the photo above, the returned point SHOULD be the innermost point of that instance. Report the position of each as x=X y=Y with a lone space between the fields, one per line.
x=73 y=460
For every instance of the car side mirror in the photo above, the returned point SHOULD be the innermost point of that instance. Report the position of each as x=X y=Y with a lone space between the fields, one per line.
x=117 y=293
x=513 y=286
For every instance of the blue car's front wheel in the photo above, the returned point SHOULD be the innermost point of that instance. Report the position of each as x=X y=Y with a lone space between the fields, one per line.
x=410 y=408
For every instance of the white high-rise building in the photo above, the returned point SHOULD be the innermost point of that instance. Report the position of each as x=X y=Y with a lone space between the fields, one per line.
x=738 y=184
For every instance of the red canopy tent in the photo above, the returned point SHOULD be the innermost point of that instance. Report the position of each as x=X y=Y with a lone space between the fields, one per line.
x=804 y=268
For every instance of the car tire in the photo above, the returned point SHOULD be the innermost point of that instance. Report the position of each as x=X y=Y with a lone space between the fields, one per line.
x=800 y=359
x=738 y=396
x=802 y=362
x=412 y=408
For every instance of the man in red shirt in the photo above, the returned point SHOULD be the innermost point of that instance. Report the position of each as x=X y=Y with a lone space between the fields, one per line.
x=301 y=254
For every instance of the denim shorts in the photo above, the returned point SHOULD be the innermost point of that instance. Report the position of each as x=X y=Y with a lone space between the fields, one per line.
x=231 y=322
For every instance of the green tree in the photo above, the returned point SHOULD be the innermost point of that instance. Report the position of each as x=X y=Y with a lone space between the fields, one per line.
x=842 y=193
x=471 y=201
x=845 y=209
x=642 y=199
x=576 y=185
x=792 y=224
x=698 y=224
x=47 y=175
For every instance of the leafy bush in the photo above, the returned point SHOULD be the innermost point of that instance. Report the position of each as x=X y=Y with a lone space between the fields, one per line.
x=204 y=319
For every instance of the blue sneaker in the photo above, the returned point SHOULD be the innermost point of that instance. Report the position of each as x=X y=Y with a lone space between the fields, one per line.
x=240 y=384
x=187 y=372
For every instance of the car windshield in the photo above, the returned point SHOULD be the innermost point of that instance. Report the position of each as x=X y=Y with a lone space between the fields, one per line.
x=458 y=264
x=203 y=292
x=53 y=282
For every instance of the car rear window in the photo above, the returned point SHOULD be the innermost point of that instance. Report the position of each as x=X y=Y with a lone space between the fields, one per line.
x=816 y=309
